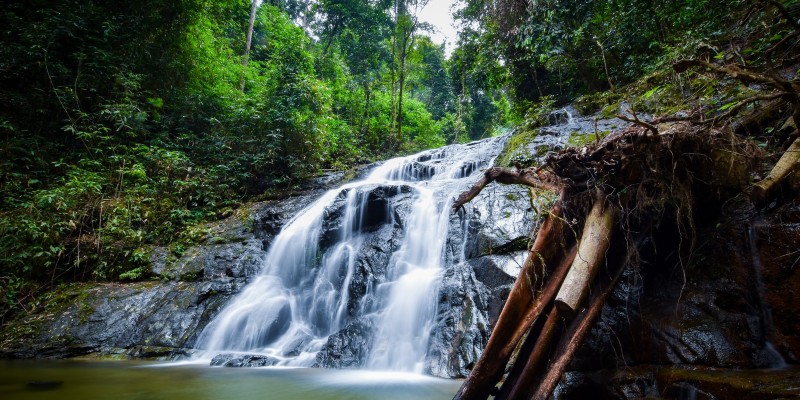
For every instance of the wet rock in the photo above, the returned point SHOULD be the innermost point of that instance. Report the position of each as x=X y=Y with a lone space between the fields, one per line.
x=237 y=260
x=373 y=257
x=499 y=217
x=462 y=325
x=269 y=217
x=121 y=319
x=776 y=239
x=559 y=117
x=376 y=208
x=349 y=347
x=243 y=360
x=498 y=274
x=676 y=382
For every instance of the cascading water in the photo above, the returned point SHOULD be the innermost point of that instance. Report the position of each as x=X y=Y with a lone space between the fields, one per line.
x=305 y=292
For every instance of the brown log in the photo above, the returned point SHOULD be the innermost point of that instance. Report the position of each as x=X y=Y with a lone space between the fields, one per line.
x=575 y=336
x=518 y=387
x=527 y=176
x=534 y=346
x=592 y=249
x=767 y=188
x=524 y=305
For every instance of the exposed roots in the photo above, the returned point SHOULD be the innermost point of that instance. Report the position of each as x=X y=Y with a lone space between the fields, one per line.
x=611 y=195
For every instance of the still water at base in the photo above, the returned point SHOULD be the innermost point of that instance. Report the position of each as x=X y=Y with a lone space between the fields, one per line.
x=65 y=380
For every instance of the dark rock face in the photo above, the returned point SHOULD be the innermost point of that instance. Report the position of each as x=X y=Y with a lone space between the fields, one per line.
x=156 y=319
x=462 y=327
x=349 y=347
x=243 y=360
x=733 y=311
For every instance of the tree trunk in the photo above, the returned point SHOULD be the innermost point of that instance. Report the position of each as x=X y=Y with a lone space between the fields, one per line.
x=248 y=42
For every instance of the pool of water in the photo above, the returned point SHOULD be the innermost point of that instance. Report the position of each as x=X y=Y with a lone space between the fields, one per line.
x=125 y=380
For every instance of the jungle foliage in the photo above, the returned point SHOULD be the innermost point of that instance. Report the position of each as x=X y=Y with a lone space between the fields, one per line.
x=126 y=125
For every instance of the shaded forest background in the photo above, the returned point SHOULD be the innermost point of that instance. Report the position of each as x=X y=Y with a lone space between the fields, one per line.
x=126 y=125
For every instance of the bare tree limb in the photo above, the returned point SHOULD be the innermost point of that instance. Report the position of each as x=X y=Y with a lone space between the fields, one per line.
x=781 y=9
x=738 y=106
x=637 y=121
x=529 y=177
x=740 y=73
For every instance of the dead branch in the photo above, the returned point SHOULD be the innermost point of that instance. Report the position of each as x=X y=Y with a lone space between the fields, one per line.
x=696 y=118
x=528 y=177
x=784 y=12
x=637 y=121
x=781 y=42
x=740 y=73
x=790 y=90
x=738 y=106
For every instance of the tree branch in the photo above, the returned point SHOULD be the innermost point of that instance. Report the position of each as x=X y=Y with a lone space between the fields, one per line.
x=781 y=9
x=528 y=177
x=637 y=121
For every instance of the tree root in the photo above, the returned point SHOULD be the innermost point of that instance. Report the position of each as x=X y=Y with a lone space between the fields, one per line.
x=630 y=179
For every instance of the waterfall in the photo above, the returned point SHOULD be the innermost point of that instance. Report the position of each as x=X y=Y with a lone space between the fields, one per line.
x=313 y=282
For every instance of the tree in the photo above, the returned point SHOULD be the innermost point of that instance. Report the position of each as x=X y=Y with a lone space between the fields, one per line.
x=405 y=27
x=253 y=9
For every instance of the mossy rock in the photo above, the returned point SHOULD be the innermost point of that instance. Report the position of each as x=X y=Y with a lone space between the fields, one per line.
x=516 y=149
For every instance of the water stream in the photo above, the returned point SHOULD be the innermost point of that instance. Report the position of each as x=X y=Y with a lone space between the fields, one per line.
x=306 y=290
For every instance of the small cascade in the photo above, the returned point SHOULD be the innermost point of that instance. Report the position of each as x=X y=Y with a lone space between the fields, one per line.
x=770 y=356
x=316 y=281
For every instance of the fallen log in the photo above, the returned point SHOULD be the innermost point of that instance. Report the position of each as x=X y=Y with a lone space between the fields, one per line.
x=767 y=188
x=572 y=340
x=508 y=176
x=533 y=348
x=592 y=249
x=527 y=300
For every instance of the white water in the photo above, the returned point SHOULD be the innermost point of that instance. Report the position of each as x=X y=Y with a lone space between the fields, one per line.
x=301 y=296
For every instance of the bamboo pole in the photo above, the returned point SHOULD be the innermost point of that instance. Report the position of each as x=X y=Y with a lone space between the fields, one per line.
x=592 y=249
x=767 y=188
x=532 y=366
x=533 y=346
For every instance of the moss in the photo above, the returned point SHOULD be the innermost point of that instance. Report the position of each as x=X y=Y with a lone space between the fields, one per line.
x=607 y=102
x=24 y=328
x=516 y=149
x=518 y=244
x=752 y=384
x=579 y=139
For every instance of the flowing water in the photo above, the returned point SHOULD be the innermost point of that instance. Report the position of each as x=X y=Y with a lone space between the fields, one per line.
x=303 y=294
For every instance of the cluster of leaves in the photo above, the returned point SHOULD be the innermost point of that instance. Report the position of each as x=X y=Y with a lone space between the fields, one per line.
x=123 y=125
x=568 y=48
